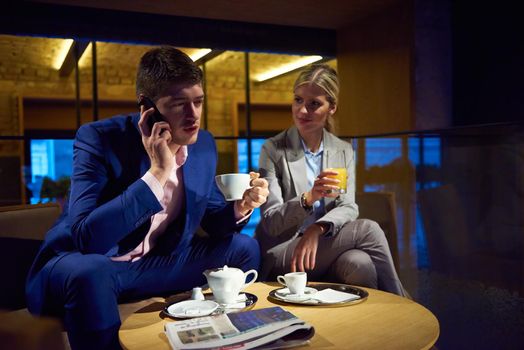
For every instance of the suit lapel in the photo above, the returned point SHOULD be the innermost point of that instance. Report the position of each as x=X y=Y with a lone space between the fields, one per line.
x=145 y=163
x=295 y=160
x=191 y=181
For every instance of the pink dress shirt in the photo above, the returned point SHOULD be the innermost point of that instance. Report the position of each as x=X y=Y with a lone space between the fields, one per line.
x=171 y=197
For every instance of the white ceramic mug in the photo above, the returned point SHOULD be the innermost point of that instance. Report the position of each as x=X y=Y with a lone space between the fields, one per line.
x=233 y=186
x=294 y=281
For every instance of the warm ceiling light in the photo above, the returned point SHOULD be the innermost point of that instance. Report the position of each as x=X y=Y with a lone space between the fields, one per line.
x=288 y=67
x=198 y=54
x=62 y=53
x=83 y=62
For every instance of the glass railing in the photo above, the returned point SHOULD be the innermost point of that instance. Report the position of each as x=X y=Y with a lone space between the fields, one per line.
x=459 y=199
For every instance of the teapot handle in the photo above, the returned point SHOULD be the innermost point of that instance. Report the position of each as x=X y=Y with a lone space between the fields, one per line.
x=252 y=280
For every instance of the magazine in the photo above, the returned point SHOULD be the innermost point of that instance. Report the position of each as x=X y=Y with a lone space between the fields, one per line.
x=268 y=328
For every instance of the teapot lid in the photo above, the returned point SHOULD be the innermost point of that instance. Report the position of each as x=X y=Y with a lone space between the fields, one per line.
x=223 y=271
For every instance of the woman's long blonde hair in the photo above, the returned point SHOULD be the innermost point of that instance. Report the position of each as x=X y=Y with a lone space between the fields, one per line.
x=325 y=78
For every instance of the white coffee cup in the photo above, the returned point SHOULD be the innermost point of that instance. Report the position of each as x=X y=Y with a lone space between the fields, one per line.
x=233 y=186
x=294 y=281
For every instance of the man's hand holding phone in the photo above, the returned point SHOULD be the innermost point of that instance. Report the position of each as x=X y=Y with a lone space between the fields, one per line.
x=145 y=104
x=156 y=136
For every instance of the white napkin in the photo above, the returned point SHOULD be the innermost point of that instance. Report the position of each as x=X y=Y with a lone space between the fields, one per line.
x=331 y=296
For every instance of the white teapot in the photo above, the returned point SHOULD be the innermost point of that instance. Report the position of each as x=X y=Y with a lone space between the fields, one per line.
x=226 y=282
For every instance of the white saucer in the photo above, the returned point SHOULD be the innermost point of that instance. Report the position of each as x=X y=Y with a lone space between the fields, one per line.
x=285 y=294
x=191 y=308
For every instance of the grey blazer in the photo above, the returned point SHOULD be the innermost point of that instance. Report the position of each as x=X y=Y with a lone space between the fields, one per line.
x=283 y=165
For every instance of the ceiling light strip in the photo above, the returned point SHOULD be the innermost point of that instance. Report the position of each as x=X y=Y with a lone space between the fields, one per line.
x=195 y=56
x=62 y=53
x=83 y=61
x=303 y=61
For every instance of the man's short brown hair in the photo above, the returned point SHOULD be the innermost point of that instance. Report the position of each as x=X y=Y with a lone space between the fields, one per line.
x=162 y=67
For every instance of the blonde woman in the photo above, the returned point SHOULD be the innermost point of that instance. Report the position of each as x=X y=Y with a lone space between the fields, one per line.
x=306 y=226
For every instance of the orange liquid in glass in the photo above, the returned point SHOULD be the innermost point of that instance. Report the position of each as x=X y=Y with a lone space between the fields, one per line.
x=342 y=176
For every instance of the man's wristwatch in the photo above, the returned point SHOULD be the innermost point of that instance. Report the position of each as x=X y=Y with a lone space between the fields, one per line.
x=303 y=203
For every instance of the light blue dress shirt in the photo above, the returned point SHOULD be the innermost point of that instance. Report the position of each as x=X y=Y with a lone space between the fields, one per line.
x=313 y=168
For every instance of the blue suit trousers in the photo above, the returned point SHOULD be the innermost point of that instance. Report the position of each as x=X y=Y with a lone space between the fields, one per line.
x=84 y=289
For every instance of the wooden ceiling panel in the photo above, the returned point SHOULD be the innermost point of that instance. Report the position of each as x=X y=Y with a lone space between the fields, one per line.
x=327 y=14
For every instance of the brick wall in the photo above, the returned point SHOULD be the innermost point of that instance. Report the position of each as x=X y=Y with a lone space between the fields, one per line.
x=26 y=69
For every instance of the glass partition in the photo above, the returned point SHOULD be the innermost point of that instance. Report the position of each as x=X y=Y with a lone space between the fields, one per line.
x=459 y=198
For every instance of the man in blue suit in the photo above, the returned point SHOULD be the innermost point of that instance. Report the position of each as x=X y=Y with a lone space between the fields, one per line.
x=138 y=194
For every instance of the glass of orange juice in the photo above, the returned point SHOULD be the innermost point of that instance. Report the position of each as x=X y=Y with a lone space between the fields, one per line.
x=342 y=176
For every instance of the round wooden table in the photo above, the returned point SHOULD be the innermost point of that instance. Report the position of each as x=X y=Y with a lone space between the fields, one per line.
x=383 y=321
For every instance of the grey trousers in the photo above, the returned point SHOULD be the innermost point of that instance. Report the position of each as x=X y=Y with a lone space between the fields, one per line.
x=358 y=254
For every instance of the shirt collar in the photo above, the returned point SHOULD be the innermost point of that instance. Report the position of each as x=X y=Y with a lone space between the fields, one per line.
x=181 y=156
x=307 y=151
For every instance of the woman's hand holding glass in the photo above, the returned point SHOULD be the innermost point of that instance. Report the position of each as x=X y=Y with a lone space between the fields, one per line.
x=323 y=187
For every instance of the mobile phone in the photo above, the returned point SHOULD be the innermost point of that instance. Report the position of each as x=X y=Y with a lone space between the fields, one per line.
x=156 y=116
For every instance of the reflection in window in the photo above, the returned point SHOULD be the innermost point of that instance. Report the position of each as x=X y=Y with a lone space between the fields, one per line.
x=428 y=162
x=256 y=146
x=424 y=155
x=40 y=156
x=374 y=188
x=382 y=151
x=52 y=159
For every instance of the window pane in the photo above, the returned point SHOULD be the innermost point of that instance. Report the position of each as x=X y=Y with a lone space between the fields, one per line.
x=51 y=167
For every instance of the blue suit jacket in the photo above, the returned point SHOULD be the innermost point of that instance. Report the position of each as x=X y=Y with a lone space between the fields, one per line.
x=110 y=206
